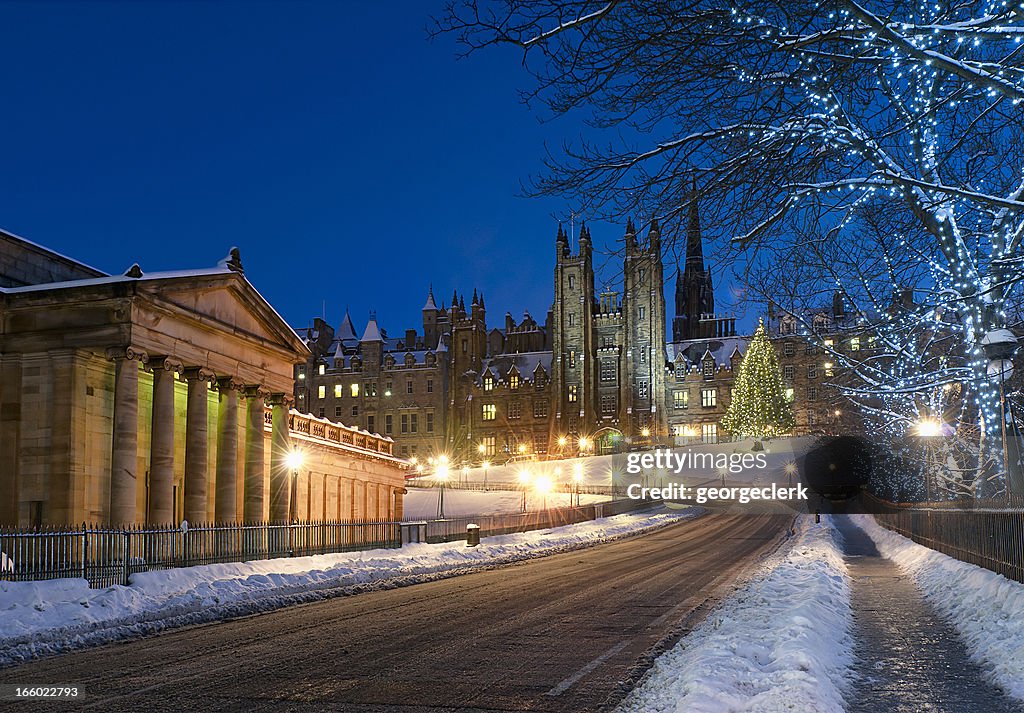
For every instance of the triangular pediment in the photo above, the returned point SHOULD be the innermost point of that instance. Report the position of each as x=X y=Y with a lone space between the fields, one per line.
x=228 y=301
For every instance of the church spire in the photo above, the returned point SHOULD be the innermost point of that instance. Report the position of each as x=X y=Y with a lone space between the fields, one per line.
x=695 y=294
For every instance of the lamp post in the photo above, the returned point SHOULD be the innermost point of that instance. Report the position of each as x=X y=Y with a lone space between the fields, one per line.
x=577 y=478
x=524 y=479
x=562 y=441
x=293 y=461
x=928 y=428
x=465 y=475
x=486 y=464
x=441 y=474
x=584 y=445
x=482 y=450
x=790 y=472
x=543 y=486
x=999 y=346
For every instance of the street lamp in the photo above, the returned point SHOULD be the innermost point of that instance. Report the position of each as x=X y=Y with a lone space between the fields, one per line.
x=645 y=432
x=293 y=460
x=486 y=464
x=928 y=427
x=543 y=486
x=524 y=480
x=999 y=346
x=584 y=444
x=441 y=474
x=577 y=478
x=465 y=474
x=790 y=469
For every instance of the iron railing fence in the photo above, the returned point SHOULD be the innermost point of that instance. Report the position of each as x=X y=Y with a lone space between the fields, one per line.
x=106 y=555
x=987 y=536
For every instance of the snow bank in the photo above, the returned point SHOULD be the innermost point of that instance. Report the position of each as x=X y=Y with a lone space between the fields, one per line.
x=41 y=618
x=986 y=608
x=781 y=643
x=421 y=503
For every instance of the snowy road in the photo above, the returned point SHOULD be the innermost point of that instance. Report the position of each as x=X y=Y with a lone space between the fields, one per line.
x=554 y=634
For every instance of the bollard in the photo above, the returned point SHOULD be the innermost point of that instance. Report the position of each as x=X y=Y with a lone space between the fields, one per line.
x=472 y=535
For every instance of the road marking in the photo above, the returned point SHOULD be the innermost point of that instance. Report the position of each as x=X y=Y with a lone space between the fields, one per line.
x=568 y=683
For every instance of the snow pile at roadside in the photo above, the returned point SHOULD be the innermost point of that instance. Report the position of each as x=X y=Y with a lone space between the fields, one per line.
x=986 y=608
x=781 y=643
x=421 y=503
x=39 y=618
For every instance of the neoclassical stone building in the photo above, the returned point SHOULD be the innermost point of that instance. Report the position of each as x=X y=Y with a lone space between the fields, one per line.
x=157 y=397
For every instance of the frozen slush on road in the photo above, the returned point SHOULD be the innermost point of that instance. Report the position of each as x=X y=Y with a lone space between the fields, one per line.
x=781 y=643
x=53 y=616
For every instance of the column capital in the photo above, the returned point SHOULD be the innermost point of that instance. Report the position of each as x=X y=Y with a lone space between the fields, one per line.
x=167 y=363
x=253 y=391
x=229 y=383
x=127 y=352
x=199 y=373
x=280 y=399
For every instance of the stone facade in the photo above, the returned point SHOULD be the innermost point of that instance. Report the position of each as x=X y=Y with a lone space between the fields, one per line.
x=160 y=397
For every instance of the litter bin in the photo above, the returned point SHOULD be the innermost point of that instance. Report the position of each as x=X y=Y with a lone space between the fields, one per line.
x=472 y=535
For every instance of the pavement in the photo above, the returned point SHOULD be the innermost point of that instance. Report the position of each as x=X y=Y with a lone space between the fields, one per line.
x=908 y=660
x=570 y=632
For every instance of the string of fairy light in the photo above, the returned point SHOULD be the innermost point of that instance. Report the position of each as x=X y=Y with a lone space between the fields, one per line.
x=937 y=71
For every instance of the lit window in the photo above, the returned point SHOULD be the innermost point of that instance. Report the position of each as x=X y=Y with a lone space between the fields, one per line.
x=709 y=398
x=642 y=389
x=488 y=383
x=572 y=360
x=302 y=375
x=573 y=393
x=490 y=412
x=709 y=432
x=337 y=391
x=829 y=343
x=513 y=381
x=354 y=389
x=855 y=344
x=321 y=391
x=488 y=444
x=789 y=394
x=323 y=369
x=680 y=399
x=829 y=371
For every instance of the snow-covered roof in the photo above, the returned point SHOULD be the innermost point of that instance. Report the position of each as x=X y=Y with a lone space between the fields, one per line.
x=694 y=351
x=526 y=364
x=372 y=332
x=430 y=300
x=346 y=330
x=114 y=279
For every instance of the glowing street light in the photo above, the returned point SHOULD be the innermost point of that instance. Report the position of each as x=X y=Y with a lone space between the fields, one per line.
x=481 y=449
x=928 y=427
x=543 y=486
x=293 y=461
x=584 y=444
x=522 y=448
x=562 y=440
x=441 y=474
x=525 y=476
x=645 y=432
x=577 y=479
x=790 y=470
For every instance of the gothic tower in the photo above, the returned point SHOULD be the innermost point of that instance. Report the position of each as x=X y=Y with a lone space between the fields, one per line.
x=695 y=295
x=572 y=360
x=643 y=384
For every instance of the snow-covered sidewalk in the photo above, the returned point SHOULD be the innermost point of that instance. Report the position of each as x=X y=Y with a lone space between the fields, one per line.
x=781 y=643
x=41 y=618
x=986 y=609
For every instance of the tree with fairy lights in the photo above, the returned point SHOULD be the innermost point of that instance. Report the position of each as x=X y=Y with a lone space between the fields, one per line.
x=759 y=407
x=798 y=113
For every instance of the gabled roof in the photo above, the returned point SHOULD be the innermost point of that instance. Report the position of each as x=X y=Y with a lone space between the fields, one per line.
x=346 y=330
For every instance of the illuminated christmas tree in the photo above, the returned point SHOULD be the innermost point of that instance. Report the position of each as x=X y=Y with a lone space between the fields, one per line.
x=759 y=407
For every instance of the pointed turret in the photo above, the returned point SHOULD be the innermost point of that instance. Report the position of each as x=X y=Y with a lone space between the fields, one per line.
x=695 y=295
x=430 y=305
x=372 y=331
x=347 y=330
x=631 y=244
x=476 y=298
x=561 y=243
x=654 y=237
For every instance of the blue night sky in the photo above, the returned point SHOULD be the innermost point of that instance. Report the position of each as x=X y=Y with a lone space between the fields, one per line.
x=353 y=161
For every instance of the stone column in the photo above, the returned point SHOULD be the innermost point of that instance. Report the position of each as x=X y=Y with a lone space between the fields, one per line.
x=280 y=447
x=254 y=455
x=124 y=452
x=161 y=445
x=197 y=450
x=225 y=502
